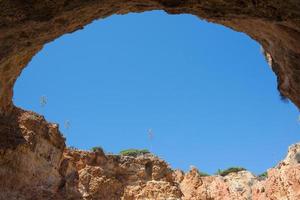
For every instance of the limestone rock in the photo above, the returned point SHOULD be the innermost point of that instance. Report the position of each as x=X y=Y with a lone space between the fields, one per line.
x=30 y=156
x=34 y=164
x=283 y=182
x=25 y=26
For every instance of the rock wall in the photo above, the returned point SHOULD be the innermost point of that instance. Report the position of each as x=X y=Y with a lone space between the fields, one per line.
x=25 y=26
x=35 y=165
x=30 y=155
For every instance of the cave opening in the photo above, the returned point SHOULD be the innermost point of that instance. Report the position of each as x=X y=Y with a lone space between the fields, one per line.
x=203 y=91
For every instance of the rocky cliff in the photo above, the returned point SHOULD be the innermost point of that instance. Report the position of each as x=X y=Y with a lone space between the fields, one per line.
x=35 y=164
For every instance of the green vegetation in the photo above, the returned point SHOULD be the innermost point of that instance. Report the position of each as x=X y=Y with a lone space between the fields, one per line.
x=97 y=149
x=229 y=170
x=263 y=175
x=33 y=117
x=202 y=174
x=134 y=152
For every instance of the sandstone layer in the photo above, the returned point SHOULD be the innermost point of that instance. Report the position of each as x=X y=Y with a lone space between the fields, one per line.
x=36 y=165
x=25 y=26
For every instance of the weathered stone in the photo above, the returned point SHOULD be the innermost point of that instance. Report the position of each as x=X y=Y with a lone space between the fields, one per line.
x=34 y=164
x=25 y=26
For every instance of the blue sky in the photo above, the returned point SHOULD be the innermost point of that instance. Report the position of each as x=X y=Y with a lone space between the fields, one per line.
x=206 y=92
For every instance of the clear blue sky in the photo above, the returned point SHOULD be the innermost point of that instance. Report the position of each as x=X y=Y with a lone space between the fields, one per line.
x=206 y=92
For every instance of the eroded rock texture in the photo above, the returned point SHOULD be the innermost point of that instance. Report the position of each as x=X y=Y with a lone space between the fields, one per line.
x=35 y=165
x=25 y=26
x=30 y=154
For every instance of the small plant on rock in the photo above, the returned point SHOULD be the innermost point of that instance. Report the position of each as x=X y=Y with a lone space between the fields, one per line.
x=263 y=175
x=203 y=174
x=97 y=149
x=230 y=170
x=134 y=152
x=33 y=117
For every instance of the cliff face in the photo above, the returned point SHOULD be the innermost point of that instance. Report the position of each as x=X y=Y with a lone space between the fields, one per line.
x=234 y=186
x=284 y=180
x=103 y=176
x=30 y=155
x=34 y=164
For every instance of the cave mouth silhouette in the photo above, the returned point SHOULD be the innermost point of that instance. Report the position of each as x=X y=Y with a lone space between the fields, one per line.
x=163 y=59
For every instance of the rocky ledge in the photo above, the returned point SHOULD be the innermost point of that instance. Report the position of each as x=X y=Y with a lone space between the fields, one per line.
x=35 y=164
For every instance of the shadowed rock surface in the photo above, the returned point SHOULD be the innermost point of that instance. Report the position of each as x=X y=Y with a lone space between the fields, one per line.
x=25 y=26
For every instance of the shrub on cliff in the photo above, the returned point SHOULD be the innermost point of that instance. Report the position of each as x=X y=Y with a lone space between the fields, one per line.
x=97 y=149
x=203 y=174
x=230 y=170
x=263 y=175
x=134 y=152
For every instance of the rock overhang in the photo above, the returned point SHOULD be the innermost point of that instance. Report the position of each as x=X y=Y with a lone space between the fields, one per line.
x=25 y=26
